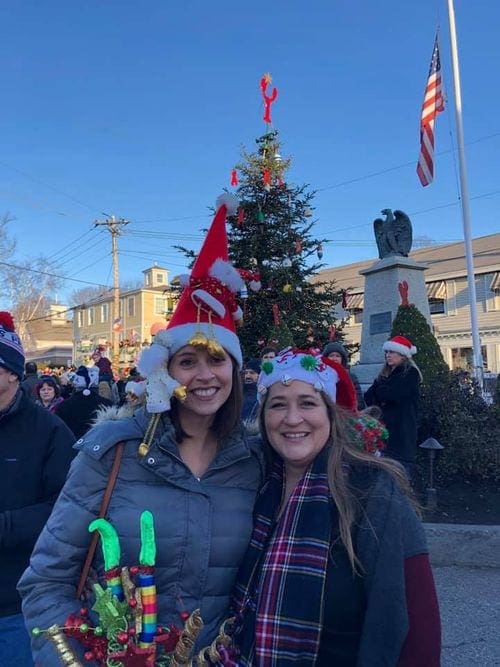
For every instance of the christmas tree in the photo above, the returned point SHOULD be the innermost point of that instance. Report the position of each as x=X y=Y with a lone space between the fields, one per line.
x=271 y=238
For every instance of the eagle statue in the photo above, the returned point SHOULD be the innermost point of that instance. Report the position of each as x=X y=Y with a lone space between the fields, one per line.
x=394 y=234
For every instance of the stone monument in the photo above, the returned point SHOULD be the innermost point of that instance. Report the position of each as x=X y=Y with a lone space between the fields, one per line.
x=388 y=281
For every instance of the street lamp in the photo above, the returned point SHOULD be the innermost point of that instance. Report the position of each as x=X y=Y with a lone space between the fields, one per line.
x=431 y=445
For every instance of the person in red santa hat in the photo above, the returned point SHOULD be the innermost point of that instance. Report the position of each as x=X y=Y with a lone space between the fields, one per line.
x=396 y=391
x=185 y=458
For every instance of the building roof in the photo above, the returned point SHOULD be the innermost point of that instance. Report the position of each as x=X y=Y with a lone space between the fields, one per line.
x=444 y=261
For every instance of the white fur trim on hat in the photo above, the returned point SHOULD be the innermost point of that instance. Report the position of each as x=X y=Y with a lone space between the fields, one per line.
x=227 y=274
x=393 y=345
x=229 y=200
x=208 y=300
x=136 y=388
x=290 y=365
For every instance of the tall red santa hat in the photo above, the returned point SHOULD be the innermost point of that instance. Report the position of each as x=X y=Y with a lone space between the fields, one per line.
x=400 y=344
x=205 y=316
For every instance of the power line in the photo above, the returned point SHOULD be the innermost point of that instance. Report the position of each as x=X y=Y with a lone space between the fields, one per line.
x=48 y=273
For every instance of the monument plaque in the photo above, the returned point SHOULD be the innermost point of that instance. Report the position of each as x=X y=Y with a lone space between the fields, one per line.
x=380 y=322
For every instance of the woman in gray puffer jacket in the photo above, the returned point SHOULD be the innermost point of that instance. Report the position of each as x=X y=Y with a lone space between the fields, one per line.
x=185 y=459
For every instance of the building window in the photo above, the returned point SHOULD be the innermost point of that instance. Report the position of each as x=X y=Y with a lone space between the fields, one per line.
x=131 y=306
x=91 y=315
x=437 y=306
x=80 y=318
x=104 y=312
x=161 y=306
x=159 y=277
x=148 y=279
x=357 y=315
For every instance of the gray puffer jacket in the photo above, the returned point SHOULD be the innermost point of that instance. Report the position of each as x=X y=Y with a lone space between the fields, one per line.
x=202 y=526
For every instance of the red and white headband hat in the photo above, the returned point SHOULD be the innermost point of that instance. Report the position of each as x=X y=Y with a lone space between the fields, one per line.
x=308 y=366
x=205 y=316
x=401 y=345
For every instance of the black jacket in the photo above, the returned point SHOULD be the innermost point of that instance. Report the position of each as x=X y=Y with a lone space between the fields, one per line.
x=36 y=450
x=398 y=397
x=78 y=411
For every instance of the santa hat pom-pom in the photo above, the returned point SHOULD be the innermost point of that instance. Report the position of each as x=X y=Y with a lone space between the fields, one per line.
x=228 y=200
x=6 y=320
x=152 y=358
x=227 y=274
x=255 y=285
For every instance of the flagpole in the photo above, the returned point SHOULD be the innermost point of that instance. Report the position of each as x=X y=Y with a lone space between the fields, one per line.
x=476 y=343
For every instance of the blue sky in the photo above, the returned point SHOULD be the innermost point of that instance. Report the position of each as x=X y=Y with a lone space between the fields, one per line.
x=140 y=110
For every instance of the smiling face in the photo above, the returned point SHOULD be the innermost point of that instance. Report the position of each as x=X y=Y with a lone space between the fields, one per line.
x=208 y=381
x=335 y=356
x=297 y=423
x=393 y=359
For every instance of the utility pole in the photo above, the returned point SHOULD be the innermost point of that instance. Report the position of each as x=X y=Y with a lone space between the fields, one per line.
x=113 y=226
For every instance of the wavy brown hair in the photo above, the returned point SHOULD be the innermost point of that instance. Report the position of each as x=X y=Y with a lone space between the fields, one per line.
x=344 y=453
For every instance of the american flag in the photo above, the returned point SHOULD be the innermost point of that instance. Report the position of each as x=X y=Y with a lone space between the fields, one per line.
x=432 y=106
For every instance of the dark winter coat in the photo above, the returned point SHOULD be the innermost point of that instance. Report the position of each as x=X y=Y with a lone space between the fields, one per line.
x=29 y=383
x=202 y=525
x=78 y=411
x=398 y=398
x=36 y=451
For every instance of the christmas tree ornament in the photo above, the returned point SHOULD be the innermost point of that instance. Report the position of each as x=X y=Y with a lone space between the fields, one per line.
x=287 y=288
x=344 y=299
x=298 y=244
x=260 y=216
x=244 y=292
x=319 y=251
x=268 y=99
x=234 y=177
x=276 y=314
x=266 y=176
x=277 y=157
x=287 y=263
x=241 y=217
x=307 y=212
x=298 y=288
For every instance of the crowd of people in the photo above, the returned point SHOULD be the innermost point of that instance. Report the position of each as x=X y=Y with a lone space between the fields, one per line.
x=272 y=505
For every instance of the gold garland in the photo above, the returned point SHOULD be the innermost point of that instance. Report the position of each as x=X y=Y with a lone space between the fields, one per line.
x=192 y=629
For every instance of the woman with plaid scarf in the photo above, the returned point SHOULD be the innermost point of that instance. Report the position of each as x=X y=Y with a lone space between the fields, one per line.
x=337 y=571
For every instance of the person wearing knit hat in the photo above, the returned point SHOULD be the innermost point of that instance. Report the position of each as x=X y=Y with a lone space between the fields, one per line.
x=36 y=450
x=336 y=351
x=396 y=391
x=186 y=458
x=337 y=570
x=80 y=409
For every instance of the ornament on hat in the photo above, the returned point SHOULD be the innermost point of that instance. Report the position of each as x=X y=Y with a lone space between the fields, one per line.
x=205 y=316
x=401 y=345
x=308 y=366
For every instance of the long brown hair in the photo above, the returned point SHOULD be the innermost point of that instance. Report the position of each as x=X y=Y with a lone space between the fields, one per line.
x=227 y=417
x=406 y=364
x=345 y=452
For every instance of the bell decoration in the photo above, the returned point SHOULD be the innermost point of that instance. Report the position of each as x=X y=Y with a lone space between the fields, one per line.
x=234 y=177
x=215 y=349
x=319 y=251
x=180 y=393
x=198 y=340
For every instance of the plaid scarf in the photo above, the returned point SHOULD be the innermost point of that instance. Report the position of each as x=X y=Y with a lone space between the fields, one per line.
x=280 y=588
